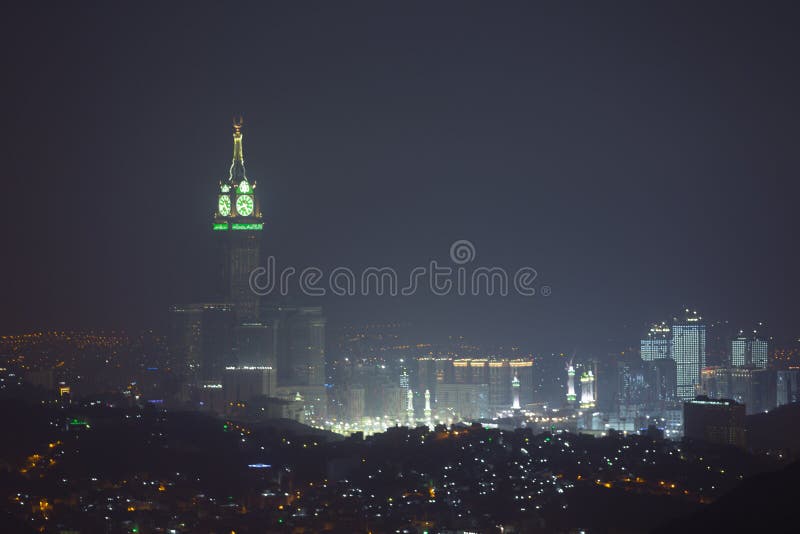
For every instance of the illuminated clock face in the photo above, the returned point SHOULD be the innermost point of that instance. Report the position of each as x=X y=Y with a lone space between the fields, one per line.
x=224 y=205
x=244 y=205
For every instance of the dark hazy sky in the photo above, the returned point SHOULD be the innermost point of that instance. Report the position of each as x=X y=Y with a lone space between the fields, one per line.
x=640 y=156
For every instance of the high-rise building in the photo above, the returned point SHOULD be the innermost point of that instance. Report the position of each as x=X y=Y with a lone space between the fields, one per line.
x=239 y=223
x=714 y=421
x=202 y=341
x=300 y=355
x=392 y=402
x=749 y=351
x=657 y=344
x=464 y=402
x=689 y=352
x=788 y=386
x=405 y=381
x=300 y=344
x=664 y=374
x=244 y=383
x=765 y=390
x=759 y=353
x=739 y=355
x=756 y=389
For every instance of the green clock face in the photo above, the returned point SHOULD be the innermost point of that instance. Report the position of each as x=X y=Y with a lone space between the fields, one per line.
x=244 y=205
x=224 y=205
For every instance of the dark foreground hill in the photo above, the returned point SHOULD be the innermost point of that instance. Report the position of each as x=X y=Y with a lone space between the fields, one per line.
x=763 y=503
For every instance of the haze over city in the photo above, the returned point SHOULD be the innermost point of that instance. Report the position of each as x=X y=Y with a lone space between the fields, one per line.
x=640 y=158
x=399 y=267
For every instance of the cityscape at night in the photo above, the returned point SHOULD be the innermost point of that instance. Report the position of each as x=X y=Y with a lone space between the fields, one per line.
x=351 y=267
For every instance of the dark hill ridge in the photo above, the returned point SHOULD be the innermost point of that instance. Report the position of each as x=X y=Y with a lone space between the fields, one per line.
x=762 y=503
x=777 y=429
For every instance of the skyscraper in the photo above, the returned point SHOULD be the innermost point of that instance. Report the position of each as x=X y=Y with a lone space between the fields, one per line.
x=657 y=343
x=749 y=351
x=759 y=353
x=689 y=352
x=202 y=341
x=739 y=355
x=300 y=342
x=300 y=355
x=239 y=223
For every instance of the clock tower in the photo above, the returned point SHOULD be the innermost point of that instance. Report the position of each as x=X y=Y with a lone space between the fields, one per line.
x=238 y=223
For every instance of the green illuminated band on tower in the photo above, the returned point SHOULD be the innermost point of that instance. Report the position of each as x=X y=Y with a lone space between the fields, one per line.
x=247 y=226
x=221 y=226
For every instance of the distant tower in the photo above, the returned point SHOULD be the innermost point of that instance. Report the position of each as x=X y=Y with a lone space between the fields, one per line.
x=657 y=344
x=427 y=412
x=689 y=352
x=587 y=389
x=749 y=351
x=404 y=379
x=410 y=408
x=571 y=384
x=515 y=393
x=239 y=222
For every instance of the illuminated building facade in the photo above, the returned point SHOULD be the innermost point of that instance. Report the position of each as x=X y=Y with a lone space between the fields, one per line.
x=657 y=344
x=689 y=352
x=749 y=351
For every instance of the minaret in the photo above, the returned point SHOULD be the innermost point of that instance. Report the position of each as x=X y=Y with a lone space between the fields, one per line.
x=410 y=409
x=427 y=412
x=515 y=393
x=587 y=389
x=571 y=384
x=239 y=223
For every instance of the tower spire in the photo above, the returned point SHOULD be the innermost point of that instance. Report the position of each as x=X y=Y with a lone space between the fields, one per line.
x=237 y=173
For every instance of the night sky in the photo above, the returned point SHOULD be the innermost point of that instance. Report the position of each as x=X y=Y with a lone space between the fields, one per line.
x=642 y=158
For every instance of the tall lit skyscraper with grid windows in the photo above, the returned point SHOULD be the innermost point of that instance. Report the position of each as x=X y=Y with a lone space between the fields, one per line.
x=657 y=344
x=689 y=352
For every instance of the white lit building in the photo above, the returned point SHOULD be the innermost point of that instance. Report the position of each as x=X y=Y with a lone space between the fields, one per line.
x=689 y=352
x=657 y=344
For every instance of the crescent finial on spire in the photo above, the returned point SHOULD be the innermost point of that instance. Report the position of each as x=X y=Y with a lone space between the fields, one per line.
x=237 y=173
